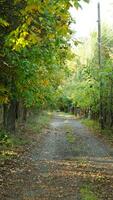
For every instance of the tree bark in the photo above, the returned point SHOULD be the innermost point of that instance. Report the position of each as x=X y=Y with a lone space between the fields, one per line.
x=10 y=116
x=111 y=104
x=5 y=110
x=24 y=114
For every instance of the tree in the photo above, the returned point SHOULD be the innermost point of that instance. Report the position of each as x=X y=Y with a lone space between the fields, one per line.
x=83 y=88
x=35 y=40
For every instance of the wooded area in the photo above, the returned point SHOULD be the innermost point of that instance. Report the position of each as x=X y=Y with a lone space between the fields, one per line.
x=34 y=39
x=83 y=89
x=39 y=68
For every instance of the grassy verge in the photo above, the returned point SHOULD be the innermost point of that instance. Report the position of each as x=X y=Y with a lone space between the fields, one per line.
x=12 y=144
x=10 y=140
x=39 y=121
x=94 y=126
x=9 y=143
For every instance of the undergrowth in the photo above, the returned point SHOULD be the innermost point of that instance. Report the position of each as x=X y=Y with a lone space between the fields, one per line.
x=10 y=140
x=9 y=144
x=94 y=125
x=37 y=122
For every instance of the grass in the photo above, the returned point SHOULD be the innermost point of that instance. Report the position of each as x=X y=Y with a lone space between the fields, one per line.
x=10 y=140
x=9 y=144
x=70 y=138
x=91 y=124
x=69 y=134
x=66 y=115
x=39 y=121
x=94 y=125
x=87 y=194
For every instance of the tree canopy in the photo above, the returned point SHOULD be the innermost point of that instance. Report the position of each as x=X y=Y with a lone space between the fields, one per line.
x=35 y=43
x=83 y=88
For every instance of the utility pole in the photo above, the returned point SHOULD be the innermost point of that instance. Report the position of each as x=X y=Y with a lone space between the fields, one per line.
x=100 y=68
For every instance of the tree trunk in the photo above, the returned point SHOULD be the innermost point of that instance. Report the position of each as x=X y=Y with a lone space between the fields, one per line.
x=17 y=110
x=10 y=116
x=24 y=114
x=111 y=104
x=5 y=110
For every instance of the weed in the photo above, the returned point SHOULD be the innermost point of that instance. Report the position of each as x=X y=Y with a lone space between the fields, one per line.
x=9 y=144
x=69 y=134
x=10 y=140
x=87 y=194
x=94 y=125
x=37 y=122
x=91 y=124
x=70 y=138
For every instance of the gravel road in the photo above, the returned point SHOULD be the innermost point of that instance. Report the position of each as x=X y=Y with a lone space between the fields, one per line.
x=68 y=139
x=69 y=163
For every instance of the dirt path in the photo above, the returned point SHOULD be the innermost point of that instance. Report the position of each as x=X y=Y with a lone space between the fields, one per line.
x=69 y=139
x=69 y=163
